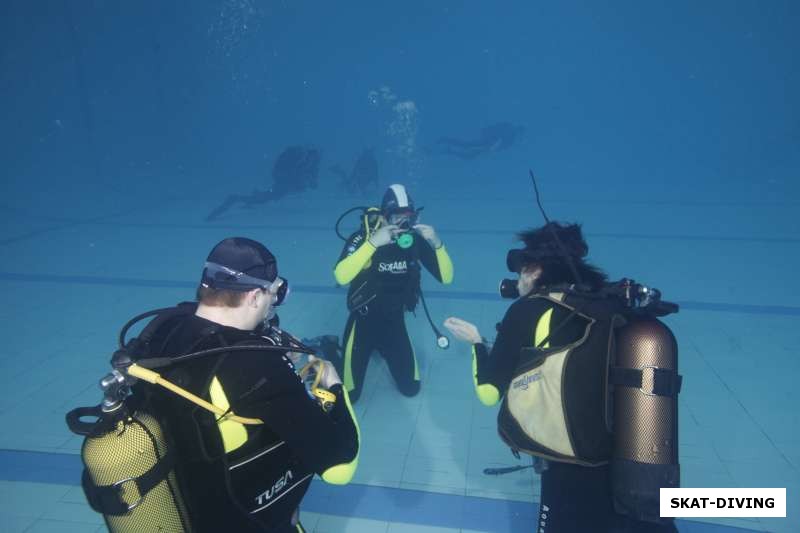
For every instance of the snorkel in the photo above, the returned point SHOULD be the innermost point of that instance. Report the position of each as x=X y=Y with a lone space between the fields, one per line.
x=509 y=288
x=636 y=297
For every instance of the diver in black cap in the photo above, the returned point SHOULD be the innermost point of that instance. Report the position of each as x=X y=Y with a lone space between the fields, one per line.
x=245 y=434
x=381 y=262
x=548 y=365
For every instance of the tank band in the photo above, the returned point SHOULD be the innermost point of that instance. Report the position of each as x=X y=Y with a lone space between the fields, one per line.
x=108 y=499
x=665 y=381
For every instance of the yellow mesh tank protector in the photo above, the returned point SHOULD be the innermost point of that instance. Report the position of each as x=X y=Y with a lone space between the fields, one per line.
x=126 y=452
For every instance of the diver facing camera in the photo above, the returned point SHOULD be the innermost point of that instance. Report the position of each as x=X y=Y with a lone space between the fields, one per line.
x=382 y=262
x=399 y=225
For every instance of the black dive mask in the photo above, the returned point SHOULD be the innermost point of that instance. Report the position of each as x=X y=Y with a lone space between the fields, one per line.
x=519 y=257
x=221 y=277
x=405 y=219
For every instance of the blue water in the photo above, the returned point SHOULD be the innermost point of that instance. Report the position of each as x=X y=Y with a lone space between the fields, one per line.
x=671 y=130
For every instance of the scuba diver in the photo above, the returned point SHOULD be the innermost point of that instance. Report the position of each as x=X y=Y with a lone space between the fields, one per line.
x=364 y=175
x=295 y=170
x=381 y=262
x=492 y=138
x=235 y=434
x=588 y=380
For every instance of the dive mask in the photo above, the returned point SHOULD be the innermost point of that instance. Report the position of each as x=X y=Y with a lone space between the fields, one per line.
x=221 y=277
x=519 y=257
x=403 y=219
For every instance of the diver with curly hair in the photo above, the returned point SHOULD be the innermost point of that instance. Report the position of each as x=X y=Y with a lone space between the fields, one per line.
x=549 y=364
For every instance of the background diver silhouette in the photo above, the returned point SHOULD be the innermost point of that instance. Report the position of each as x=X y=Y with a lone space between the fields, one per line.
x=363 y=177
x=492 y=138
x=295 y=170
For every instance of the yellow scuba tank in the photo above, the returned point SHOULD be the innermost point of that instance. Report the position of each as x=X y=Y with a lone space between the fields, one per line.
x=129 y=474
x=645 y=417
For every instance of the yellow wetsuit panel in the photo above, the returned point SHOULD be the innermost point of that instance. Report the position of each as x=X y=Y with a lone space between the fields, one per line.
x=543 y=329
x=342 y=474
x=487 y=393
x=416 y=366
x=349 y=267
x=349 y=383
x=233 y=433
x=445 y=265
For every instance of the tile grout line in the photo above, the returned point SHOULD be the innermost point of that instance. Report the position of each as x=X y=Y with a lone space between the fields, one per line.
x=325 y=289
x=749 y=415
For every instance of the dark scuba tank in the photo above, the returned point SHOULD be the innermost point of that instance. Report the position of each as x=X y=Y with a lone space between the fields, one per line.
x=129 y=474
x=645 y=417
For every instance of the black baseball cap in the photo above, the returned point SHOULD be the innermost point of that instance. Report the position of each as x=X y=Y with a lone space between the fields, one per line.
x=240 y=264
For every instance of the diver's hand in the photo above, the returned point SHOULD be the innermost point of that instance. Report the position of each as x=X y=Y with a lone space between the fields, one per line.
x=296 y=358
x=329 y=377
x=429 y=234
x=384 y=235
x=463 y=330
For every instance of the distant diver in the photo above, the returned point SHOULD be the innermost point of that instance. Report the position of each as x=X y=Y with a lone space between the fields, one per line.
x=492 y=138
x=364 y=176
x=296 y=170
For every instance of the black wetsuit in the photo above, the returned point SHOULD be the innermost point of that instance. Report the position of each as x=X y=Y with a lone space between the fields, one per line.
x=377 y=299
x=574 y=499
x=250 y=477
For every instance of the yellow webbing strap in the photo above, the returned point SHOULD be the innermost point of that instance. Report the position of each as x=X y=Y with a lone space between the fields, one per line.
x=155 y=378
x=321 y=394
x=303 y=372
x=373 y=212
x=338 y=474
